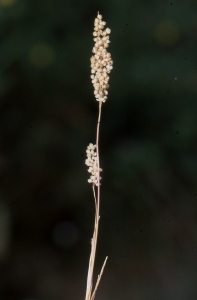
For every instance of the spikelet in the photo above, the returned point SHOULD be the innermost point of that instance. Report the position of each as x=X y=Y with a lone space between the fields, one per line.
x=101 y=62
x=91 y=162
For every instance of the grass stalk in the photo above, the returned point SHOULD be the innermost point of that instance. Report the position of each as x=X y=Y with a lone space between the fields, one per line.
x=101 y=66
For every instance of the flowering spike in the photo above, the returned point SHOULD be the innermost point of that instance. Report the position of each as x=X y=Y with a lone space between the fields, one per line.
x=92 y=163
x=101 y=62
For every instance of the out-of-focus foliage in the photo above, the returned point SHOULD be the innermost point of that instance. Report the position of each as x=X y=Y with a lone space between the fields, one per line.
x=148 y=147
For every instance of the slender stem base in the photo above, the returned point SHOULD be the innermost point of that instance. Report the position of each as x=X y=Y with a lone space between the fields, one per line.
x=89 y=294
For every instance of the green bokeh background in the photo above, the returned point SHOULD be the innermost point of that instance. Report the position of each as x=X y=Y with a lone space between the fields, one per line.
x=148 y=146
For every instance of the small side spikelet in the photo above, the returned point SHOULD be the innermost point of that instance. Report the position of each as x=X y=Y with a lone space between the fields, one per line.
x=101 y=62
x=91 y=162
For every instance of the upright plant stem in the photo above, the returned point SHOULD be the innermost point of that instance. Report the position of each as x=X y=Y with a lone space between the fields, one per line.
x=96 y=222
x=101 y=66
x=97 y=151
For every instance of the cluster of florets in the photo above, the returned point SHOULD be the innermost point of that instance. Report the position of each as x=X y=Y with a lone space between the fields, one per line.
x=101 y=62
x=92 y=163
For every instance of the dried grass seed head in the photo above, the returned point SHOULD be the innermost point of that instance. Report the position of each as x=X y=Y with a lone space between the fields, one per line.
x=101 y=62
x=92 y=163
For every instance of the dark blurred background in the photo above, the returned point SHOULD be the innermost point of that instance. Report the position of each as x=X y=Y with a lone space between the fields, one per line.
x=148 y=146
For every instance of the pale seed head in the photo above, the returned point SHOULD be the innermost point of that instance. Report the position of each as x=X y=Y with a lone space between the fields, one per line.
x=92 y=163
x=101 y=62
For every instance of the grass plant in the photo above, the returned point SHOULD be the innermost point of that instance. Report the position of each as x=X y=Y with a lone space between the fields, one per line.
x=101 y=66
